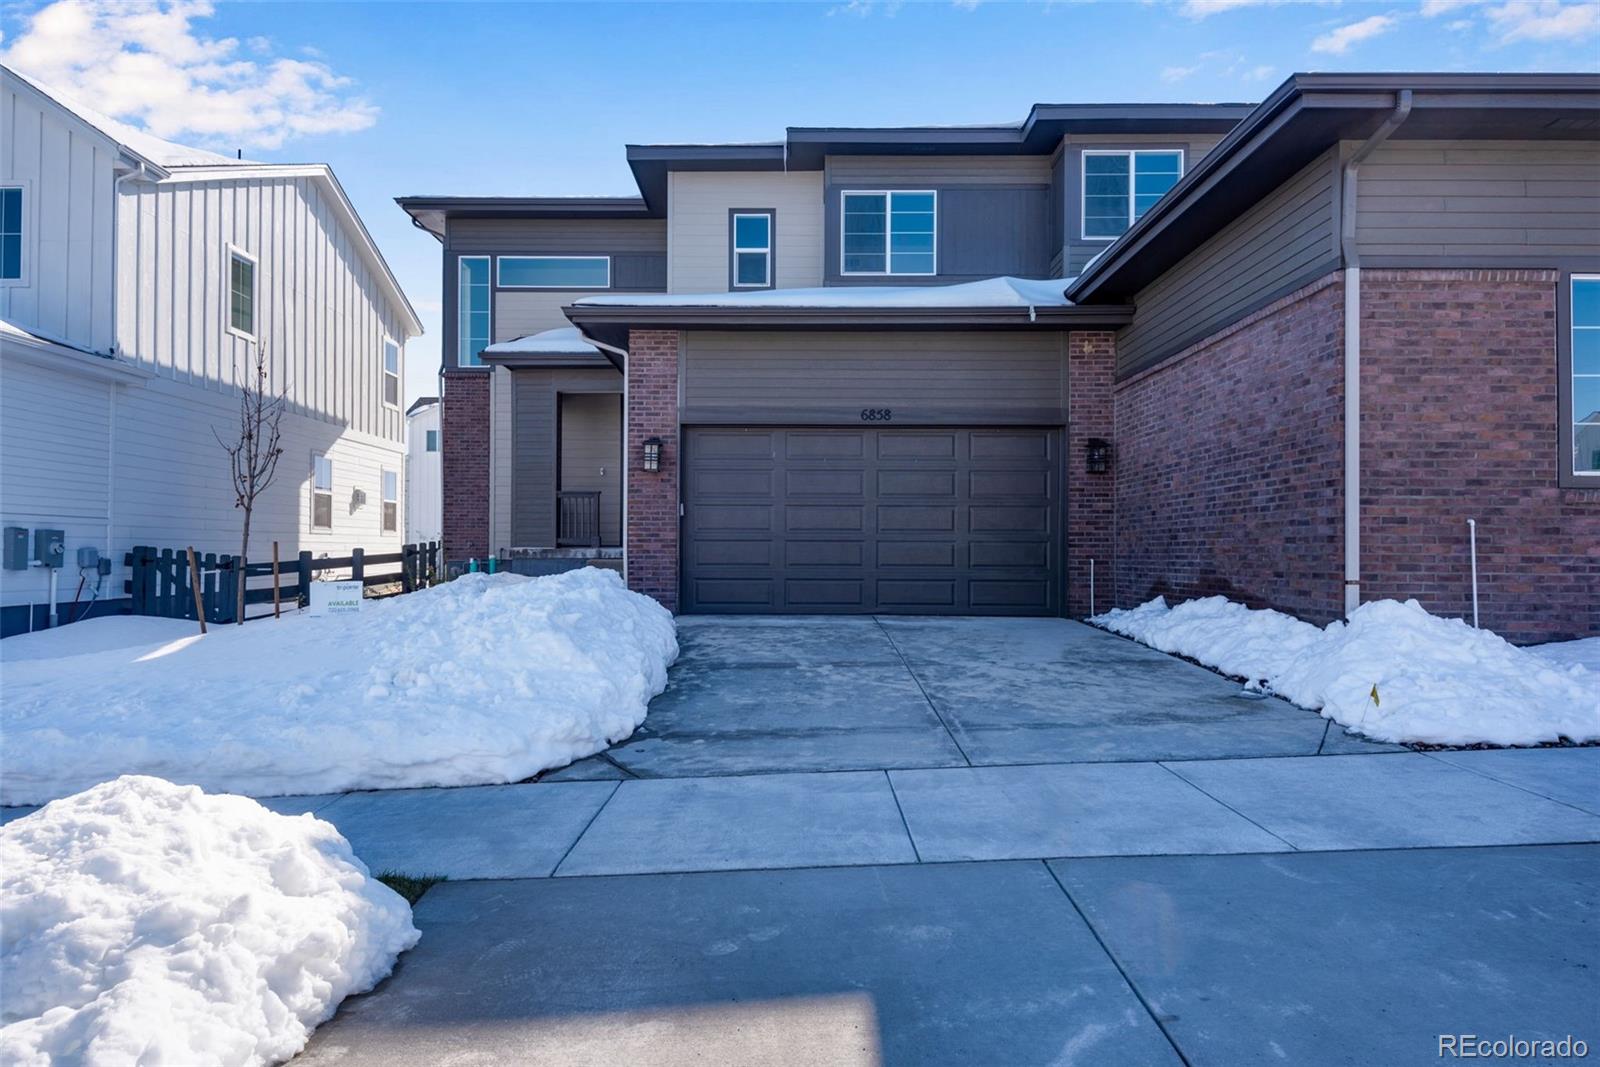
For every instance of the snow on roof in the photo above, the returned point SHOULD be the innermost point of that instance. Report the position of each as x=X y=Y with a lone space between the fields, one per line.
x=989 y=293
x=147 y=146
x=561 y=341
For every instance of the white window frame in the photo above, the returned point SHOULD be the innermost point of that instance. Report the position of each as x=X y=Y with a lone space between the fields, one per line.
x=766 y=250
x=397 y=375
x=315 y=492
x=234 y=250
x=498 y=284
x=384 y=474
x=1083 y=183
x=24 y=276
x=888 y=233
x=461 y=262
x=1570 y=414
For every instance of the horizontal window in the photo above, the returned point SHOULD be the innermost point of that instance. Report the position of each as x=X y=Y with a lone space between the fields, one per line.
x=889 y=233
x=1119 y=187
x=472 y=310
x=553 y=272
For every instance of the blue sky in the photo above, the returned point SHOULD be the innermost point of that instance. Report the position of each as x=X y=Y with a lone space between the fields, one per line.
x=539 y=98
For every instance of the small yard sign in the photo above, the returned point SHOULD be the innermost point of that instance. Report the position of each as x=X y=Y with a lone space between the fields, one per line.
x=335 y=598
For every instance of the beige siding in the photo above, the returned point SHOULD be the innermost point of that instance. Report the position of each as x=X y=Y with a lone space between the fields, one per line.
x=590 y=443
x=697 y=226
x=502 y=458
x=518 y=313
x=528 y=420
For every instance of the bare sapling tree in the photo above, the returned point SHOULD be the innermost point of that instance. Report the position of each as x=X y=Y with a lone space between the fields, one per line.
x=253 y=455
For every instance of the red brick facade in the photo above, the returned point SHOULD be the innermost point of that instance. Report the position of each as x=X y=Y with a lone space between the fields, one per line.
x=652 y=534
x=1459 y=421
x=1091 y=498
x=464 y=463
x=1229 y=464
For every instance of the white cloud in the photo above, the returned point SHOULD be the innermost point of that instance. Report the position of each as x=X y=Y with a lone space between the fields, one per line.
x=1337 y=42
x=1544 y=20
x=1199 y=9
x=143 y=61
x=1434 y=8
x=1261 y=73
x=1176 y=74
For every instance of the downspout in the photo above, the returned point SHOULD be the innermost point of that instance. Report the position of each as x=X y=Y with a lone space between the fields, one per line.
x=1351 y=257
x=621 y=359
x=116 y=225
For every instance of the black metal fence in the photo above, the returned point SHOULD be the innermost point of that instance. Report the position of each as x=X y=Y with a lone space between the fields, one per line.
x=161 y=582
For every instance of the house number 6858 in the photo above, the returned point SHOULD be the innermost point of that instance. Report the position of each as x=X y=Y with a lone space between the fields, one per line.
x=876 y=414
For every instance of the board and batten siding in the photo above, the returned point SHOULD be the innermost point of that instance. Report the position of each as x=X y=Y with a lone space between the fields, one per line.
x=698 y=206
x=65 y=169
x=1287 y=239
x=321 y=314
x=1479 y=203
x=530 y=497
x=944 y=377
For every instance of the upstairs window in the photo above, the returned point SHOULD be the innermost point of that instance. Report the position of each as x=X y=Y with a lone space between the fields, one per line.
x=751 y=262
x=1119 y=187
x=472 y=310
x=321 y=493
x=391 y=501
x=430 y=441
x=10 y=233
x=889 y=233
x=1585 y=375
x=391 y=374
x=553 y=272
x=241 y=294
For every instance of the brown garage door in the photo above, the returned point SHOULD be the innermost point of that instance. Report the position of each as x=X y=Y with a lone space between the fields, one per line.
x=926 y=521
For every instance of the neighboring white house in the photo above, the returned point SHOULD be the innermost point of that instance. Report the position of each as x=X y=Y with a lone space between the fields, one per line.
x=424 y=474
x=138 y=281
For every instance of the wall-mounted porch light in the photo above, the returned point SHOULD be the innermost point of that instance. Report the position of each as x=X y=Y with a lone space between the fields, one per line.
x=1097 y=455
x=652 y=454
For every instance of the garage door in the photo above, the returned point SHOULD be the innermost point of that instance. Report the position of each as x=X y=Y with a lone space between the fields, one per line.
x=927 y=521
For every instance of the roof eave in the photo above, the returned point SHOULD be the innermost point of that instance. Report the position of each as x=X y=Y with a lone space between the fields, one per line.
x=1099 y=316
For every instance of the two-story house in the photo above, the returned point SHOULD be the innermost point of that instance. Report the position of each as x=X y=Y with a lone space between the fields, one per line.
x=1281 y=352
x=139 y=282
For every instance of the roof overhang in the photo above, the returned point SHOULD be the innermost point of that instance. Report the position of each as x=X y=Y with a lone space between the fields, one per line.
x=651 y=162
x=430 y=212
x=1301 y=120
x=45 y=351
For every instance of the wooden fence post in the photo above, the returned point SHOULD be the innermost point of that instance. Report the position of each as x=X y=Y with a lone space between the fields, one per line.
x=305 y=578
x=408 y=562
x=275 y=580
x=358 y=566
x=194 y=581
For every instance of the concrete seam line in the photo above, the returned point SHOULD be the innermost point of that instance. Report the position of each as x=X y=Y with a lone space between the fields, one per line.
x=1225 y=804
x=915 y=851
x=581 y=833
x=925 y=697
x=1485 y=774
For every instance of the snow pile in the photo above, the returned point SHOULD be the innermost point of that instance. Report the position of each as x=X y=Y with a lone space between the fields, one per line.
x=561 y=341
x=1004 y=292
x=1437 y=681
x=149 y=923
x=484 y=679
x=1584 y=652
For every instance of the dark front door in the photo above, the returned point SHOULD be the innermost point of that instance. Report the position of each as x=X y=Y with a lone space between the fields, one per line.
x=959 y=521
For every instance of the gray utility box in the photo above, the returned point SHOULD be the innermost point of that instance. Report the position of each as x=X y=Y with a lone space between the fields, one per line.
x=16 y=548
x=50 y=548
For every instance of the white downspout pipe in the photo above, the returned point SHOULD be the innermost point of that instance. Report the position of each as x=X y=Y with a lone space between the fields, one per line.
x=621 y=355
x=1352 y=350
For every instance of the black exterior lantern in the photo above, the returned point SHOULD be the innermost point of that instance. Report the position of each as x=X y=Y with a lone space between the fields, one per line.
x=1097 y=455
x=652 y=454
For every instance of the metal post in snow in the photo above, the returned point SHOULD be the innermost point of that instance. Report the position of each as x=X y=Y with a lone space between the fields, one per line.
x=1472 y=538
x=1091 y=587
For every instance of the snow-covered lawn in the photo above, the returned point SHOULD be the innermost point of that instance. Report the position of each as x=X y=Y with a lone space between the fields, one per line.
x=484 y=679
x=143 y=922
x=1392 y=672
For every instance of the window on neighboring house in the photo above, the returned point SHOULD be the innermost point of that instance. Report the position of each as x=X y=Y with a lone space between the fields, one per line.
x=241 y=294
x=430 y=441
x=391 y=501
x=888 y=233
x=751 y=261
x=321 y=493
x=472 y=310
x=1585 y=374
x=1119 y=187
x=391 y=374
x=553 y=272
x=10 y=233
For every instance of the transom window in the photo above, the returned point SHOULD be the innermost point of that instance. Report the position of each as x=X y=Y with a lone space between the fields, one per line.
x=10 y=233
x=391 y=374
x=391 y=501
x=472 y=310
x=241 y=293
x=752 y=250
x=1119 y=187
x=889 y=233
x=553 y=272
x=1586 y=374
x=321 y=493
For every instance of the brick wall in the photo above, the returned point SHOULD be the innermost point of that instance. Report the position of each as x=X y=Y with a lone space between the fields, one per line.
x=652 y=535
x=464 y=462
x=1459 y=420
x=1229 y=464
x=1091 y=498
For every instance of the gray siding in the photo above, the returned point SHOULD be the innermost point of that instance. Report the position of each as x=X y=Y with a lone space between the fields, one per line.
x=945 y=377
x=534 y=446
x=1067 y=188
x=1283 y=242
x=1479 y=203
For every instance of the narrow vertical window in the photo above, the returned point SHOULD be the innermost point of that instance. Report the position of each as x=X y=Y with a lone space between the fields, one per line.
x=472 y=310
x=1585 y=381
x=321 y=493
x=241 y=294
x=10 y=233
x=391 y=374
x=1120 y=186
x=752 y=250
x=889 y=233
x=430 y=441
x=391 y=501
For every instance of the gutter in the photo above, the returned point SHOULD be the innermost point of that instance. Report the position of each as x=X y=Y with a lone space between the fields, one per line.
x=1351 y=256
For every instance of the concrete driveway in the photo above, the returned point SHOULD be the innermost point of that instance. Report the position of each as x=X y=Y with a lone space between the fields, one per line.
x=855 y=841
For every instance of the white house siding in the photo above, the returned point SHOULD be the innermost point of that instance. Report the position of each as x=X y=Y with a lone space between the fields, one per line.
x=697 y=226
x=65 y=170
x=424 y=478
